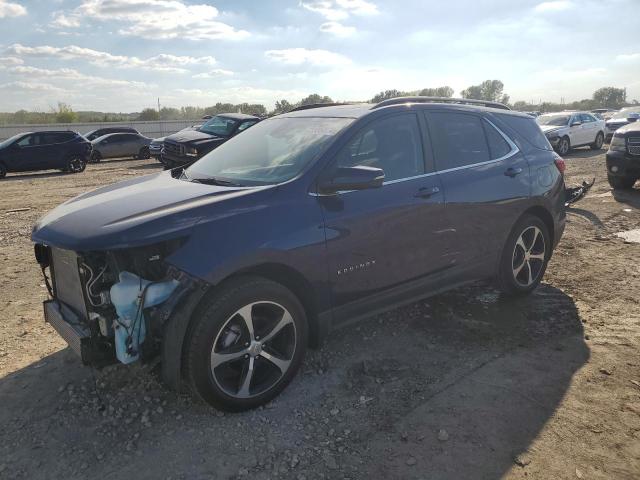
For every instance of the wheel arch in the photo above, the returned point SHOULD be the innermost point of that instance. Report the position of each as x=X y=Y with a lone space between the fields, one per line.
x=543 y=214
x=298 y=284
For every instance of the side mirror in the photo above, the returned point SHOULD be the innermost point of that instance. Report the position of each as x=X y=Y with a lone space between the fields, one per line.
x=352 y=178
x=577 y=123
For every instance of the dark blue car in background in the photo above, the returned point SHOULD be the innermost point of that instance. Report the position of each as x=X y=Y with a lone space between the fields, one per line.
x=230 y=268
x=33 y=151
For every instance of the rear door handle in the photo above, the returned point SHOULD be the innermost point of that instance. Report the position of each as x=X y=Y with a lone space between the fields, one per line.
x=426 y=192
x=512 y=172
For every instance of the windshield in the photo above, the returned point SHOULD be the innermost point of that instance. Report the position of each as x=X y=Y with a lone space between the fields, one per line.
x=557 y=120
x=273 y=151
x=219 y=126
x=626 y=113
x=10 y=140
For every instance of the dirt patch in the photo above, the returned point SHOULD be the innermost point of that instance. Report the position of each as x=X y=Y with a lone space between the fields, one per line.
x=463 y=385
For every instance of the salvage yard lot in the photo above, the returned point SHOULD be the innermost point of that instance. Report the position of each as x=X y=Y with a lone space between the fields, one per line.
x=465 y=385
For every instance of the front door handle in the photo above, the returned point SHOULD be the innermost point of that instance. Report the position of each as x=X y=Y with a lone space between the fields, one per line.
x=512 y=172
x=427 y=192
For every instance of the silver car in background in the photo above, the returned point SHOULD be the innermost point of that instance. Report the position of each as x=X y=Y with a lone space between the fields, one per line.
x=155 y=147
x=120 y=145
x=566 y=130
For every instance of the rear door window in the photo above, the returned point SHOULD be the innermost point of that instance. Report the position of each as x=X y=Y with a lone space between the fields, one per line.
x=458 y=139
x=527 y=128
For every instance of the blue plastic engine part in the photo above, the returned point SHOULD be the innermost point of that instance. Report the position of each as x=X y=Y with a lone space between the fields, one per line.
x=130 y=296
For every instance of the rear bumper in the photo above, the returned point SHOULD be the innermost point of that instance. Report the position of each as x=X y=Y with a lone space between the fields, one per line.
x=621 y=164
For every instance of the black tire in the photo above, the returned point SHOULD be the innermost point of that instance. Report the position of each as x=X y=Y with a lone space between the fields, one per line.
x=75 y=164
x=3 y=171
x=144 y=153
x=95 y=157
x=597 y=145
x=621 y=183
x=526 y=252
x=564 y=146
x=219 y=328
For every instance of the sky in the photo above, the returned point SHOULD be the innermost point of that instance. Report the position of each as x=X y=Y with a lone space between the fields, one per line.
x=122 y=55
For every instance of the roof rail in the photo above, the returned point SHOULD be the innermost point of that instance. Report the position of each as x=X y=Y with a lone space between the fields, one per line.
x=317 y=105
x=461 y=101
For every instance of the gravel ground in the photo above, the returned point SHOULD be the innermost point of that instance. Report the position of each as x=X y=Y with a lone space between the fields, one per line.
x=465 y=385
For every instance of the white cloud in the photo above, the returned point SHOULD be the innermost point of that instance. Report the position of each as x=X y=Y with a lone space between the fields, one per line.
x=300 y=56
x=154 y=19
x=161 y=63
x=628 y=57
x=554 y=6
x=62 y=20
x=65 y=75
x=10 y=61
x=10 y=9
x=30 y=87
x=341 y=9
x=218 y=72
x=337 y=29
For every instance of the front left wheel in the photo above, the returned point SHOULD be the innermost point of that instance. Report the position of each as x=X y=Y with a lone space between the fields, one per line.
x=143 y=153
x=525 y=256
x=246 y=344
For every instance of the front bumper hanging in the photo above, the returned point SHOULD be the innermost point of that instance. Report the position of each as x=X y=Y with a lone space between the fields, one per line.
x=573 y=194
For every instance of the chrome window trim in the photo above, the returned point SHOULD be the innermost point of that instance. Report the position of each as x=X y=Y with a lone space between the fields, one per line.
x=514 y=150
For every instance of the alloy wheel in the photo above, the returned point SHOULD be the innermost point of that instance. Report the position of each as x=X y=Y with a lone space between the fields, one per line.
x=253 y=350
x=564 y=146
x=599 y=141
x=75 y=165
x=529 y=256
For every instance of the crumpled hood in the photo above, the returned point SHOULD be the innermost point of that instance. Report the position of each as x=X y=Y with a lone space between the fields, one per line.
x=193 y=137
x=135 y=212
x=550 y=128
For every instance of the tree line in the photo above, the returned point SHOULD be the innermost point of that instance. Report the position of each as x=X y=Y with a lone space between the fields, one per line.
x=489 y=90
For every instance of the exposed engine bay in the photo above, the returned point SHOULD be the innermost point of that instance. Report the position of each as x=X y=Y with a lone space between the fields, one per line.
x=114 y=304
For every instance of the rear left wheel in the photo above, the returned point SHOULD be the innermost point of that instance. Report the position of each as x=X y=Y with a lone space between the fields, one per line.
x=75 y=164
x=144 y=153
x=525 y=256
x=246 y=344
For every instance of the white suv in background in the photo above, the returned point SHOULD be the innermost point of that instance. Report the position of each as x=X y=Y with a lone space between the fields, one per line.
x=566 y=130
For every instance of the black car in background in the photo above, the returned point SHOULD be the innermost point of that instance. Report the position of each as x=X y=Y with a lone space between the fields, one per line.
x=100 y=132
x=187 y=146
x=27 y=152
x=623 y=157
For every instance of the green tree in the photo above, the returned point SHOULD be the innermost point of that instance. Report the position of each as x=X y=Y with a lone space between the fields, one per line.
x=64 y=113
x=610 y=97
x=282 y=106
x=387 y=94
x=490 y=90
x=445 y=91
x=314 y=99
x=169 y=113
x=149 y=114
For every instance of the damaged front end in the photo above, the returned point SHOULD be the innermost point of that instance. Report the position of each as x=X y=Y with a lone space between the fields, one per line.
x=113 y=305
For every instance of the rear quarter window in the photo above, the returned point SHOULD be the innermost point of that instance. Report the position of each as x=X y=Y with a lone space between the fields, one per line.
x=529 y=129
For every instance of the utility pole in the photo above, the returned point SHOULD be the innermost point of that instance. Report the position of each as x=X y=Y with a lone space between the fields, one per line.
x=158 y=106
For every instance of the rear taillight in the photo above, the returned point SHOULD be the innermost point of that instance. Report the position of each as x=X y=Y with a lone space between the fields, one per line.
x=559 y=161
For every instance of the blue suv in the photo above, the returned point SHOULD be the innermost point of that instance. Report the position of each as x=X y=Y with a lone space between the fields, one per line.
x=31 y=151
x=229 y=269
